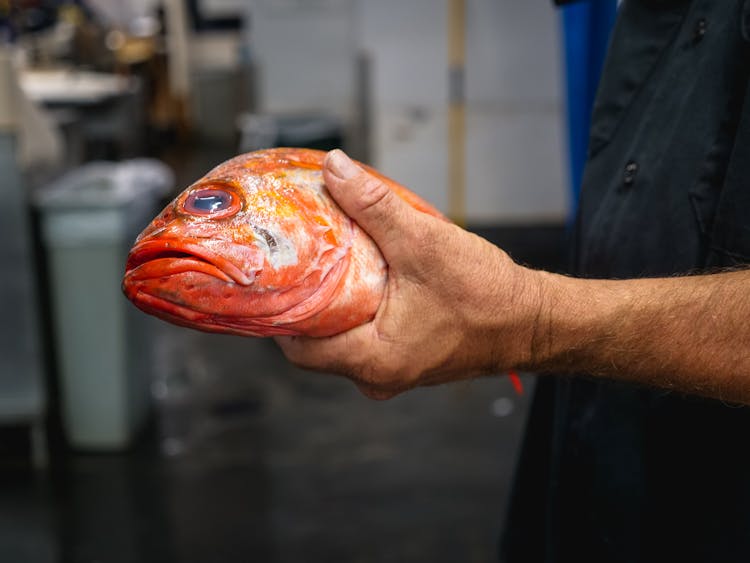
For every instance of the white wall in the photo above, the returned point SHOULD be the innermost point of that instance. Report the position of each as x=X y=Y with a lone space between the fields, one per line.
x=406 y=42
x=515 y=150
x=514 y=139
x=306 y=51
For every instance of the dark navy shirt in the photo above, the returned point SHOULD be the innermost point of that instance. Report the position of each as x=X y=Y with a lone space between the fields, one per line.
x=610 y=471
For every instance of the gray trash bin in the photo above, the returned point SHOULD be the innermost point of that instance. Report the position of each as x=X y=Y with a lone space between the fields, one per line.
x=89 y=218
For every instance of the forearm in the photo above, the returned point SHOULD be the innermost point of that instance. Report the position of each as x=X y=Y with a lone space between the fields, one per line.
x=690 y=334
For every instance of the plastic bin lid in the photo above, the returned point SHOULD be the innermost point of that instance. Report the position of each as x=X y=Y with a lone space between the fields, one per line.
x=301 y=129
x=107 y=184
x=293 y=130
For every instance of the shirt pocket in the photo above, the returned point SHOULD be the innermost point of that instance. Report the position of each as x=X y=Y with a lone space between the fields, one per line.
x=729 y=243
x=721 y=194
x=724 y=214
x=644 y=31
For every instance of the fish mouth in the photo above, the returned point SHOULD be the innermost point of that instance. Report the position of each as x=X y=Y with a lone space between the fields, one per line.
x=160 y=258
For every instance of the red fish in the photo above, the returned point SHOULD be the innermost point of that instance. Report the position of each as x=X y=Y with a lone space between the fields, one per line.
x=257 y=247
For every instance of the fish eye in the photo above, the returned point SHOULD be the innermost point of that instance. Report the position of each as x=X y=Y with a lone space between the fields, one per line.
x=211 y=202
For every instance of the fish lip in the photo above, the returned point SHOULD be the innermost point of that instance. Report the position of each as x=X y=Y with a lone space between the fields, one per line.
x=155 y=249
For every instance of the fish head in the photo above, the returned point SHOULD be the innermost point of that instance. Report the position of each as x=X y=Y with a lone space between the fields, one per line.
x=256 y=241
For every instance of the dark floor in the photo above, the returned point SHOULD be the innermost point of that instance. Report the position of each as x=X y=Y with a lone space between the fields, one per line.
x=249 y=459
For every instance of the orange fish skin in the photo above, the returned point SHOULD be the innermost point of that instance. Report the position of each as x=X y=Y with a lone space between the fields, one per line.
x=257 y=247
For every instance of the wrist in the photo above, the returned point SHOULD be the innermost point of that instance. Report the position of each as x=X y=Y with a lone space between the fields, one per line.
x=519 y=334
x=576 y=320
x=545 y=345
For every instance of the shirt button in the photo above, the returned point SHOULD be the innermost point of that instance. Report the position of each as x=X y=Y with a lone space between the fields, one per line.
x=631 y=169
x=699 y=31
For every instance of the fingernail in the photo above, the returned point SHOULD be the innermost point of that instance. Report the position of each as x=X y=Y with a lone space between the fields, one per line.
x=341 y=165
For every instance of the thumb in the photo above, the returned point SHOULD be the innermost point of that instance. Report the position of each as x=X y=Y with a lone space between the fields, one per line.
x=368 y=200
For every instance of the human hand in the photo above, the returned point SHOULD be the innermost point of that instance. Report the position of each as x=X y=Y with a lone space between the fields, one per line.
x=455 y=306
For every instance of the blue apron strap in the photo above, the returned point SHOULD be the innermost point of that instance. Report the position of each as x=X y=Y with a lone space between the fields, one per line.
x=586 y=27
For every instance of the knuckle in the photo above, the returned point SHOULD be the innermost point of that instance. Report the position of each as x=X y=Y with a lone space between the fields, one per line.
x=374 y=193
